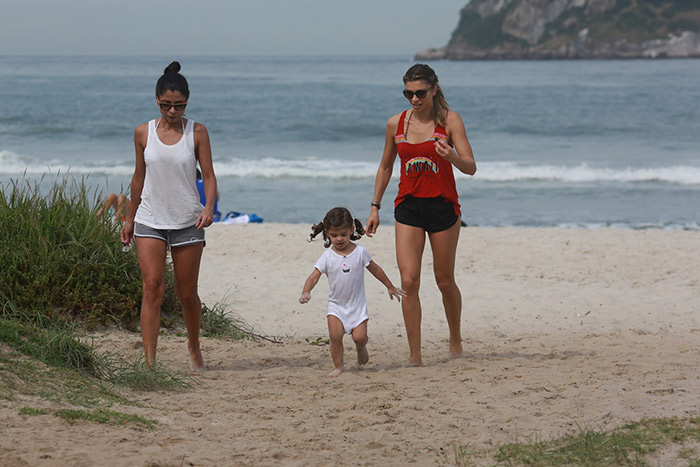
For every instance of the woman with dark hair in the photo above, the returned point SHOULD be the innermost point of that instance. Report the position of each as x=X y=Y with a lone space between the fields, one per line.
x=165 y=211
x=429 y=139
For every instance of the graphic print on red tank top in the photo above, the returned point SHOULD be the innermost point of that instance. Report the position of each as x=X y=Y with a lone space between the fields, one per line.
x=424 y=173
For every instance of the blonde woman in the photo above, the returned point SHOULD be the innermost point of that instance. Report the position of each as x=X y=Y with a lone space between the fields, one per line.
x=430 y=140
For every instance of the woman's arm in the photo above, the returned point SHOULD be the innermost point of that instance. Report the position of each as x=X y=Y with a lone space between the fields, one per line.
x=202 y=150
x=461 y=156
x=140 y=139
x=386 y=167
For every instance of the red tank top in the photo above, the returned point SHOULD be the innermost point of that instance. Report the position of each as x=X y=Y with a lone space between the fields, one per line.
x=424 y=173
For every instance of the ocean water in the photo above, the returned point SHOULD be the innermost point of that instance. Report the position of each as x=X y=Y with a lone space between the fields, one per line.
x=582 y=144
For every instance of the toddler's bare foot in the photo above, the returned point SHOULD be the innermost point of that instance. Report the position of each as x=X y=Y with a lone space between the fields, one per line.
x=335 y=373
x=196 y=359
x=362 y=354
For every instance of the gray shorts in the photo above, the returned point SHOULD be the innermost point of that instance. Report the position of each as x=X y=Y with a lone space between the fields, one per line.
x=172 y=238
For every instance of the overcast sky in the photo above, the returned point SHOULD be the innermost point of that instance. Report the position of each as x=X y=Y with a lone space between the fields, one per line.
x=225 y=27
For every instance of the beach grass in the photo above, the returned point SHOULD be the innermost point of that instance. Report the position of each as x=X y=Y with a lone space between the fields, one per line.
x=61 y=348
x=63 y=262
x=56 y=347
x=64 y=272
x=32 y=411
x=135 y=374
x=638 y=444
x=104 y=416
x=218 y=321
x=23 y=377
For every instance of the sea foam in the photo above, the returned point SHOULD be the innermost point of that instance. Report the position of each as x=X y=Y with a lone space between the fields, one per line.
x=275 y=168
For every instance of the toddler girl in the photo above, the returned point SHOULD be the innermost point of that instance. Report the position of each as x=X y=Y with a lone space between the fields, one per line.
x=344 y=265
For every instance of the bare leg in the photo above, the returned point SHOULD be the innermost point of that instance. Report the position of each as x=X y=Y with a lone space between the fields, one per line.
x=444 y=246
x=186 y=260
x=359 y=336
x=151 y=252
x=410 y=243
x=110 y=201
x=336 y=331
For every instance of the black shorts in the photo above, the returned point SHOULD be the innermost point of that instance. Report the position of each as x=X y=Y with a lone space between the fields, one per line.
x=430 y=214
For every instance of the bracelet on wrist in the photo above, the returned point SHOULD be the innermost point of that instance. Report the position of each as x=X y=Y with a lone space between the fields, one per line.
x=376 y=204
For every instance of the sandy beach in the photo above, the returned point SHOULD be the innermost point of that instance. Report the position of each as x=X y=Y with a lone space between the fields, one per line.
x=562 y=329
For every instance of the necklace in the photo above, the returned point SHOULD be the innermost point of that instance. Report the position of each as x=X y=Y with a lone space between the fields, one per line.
x=408 y=123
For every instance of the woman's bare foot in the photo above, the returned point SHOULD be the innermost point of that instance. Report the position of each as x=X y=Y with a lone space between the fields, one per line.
x=412 y=363
x=362 y=354
x=414 y=359
x=196 y=359
x=335 y=373
x=455 y=350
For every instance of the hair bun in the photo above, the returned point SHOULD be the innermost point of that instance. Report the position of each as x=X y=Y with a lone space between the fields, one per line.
x=174 y=67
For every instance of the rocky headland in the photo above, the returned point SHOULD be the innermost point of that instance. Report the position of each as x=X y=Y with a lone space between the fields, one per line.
x=567 y=29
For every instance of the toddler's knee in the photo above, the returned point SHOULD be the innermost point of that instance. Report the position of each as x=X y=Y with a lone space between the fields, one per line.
x=360 y=340
x=336 y=335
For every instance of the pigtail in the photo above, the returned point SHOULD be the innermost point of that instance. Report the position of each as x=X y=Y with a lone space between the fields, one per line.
x=317 y=229
x=359 y=230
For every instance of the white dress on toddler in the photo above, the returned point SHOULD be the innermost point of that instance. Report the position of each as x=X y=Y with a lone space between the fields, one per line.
x=346 y=280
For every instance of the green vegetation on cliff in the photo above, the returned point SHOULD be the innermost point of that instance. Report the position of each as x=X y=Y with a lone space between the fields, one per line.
x=634 y=20
x=568 y=27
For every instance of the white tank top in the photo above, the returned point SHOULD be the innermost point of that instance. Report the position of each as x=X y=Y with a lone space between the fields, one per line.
x=169 y=199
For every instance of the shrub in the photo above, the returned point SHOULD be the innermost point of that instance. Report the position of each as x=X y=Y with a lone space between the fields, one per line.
x=60 y=260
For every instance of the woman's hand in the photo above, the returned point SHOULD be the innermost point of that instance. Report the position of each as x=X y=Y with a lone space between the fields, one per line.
x=445 y=151
x=372 y=222
x=127 y=233
x=205 y=219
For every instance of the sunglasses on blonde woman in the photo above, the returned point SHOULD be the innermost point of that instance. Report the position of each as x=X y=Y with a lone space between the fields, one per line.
x=420 y=94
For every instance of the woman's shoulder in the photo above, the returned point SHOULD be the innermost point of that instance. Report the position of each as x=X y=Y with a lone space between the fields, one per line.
x=397 y=117
x=142 y=128
x=199 y=128
x=141 y=133
x=453 y=117
x=393 y=121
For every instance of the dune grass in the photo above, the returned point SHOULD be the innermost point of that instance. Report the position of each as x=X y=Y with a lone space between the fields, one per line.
x=637 y=444
x=104 y=416
x=62 y=260
x=64 y=272
x=62 y=349
x=25 y=378
x=218 y=321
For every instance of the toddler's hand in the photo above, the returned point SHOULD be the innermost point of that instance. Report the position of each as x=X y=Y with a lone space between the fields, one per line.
x=396 y=292
x=305 y=297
